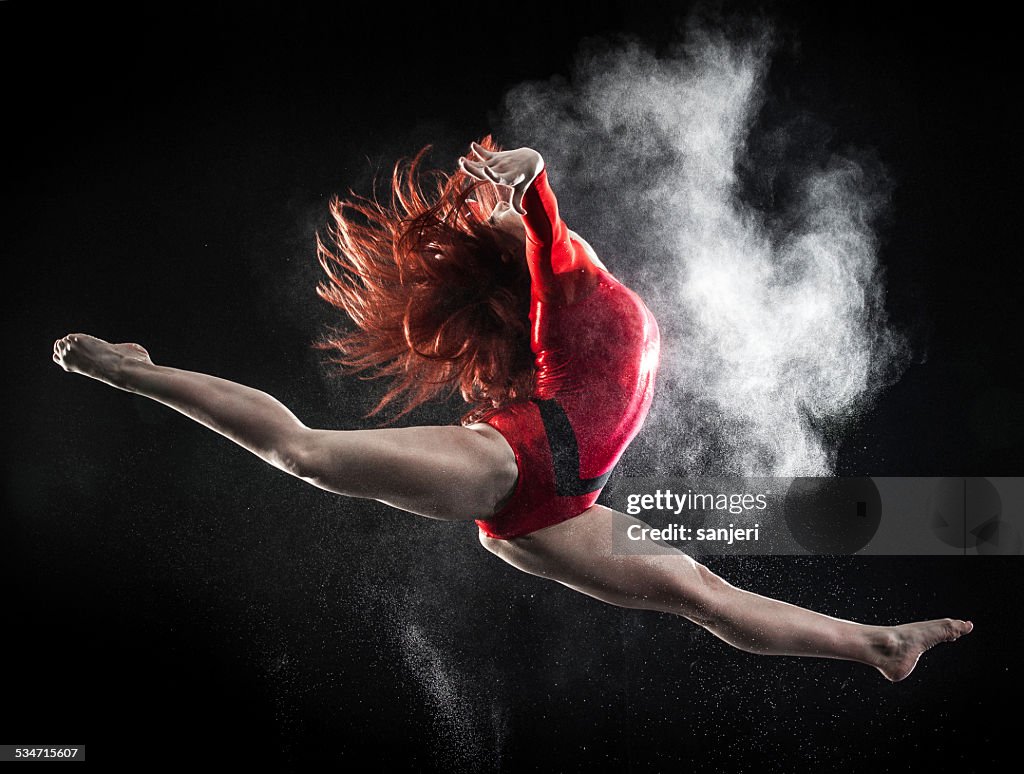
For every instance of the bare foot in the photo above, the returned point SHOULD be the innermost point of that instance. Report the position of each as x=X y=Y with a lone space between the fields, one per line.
x=81 y=353
x=899 y=647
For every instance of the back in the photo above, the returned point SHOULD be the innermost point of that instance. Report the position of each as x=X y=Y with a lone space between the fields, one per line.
x=596 y=347
x=597 y=358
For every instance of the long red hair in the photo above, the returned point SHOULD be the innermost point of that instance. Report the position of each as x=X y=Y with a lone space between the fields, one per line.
x=439 y=298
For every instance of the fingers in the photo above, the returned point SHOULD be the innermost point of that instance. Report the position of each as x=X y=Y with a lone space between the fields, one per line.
x=481 y=151
x=495 y=172
x=494 y=168
x=472 y=168
x=480 y=170
x=488 y=160
x=493 y=176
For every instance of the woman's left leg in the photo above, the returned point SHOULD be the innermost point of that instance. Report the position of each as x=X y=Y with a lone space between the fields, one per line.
x=442 y=472
x=579 y=553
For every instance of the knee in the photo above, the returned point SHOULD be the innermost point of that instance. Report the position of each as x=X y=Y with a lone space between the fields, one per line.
x=705 y=595
x=299 y=455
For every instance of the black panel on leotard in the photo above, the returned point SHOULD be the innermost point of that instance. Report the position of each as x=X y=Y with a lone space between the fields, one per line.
x=565 y=452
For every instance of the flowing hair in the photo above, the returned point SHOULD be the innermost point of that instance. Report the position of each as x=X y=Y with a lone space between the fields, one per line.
x=439 y=298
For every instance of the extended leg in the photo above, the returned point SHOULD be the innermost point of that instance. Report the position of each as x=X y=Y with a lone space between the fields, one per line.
x=578 y=553
x=445 y=472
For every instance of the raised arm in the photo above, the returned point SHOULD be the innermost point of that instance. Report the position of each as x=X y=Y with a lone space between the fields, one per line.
x=560 y=269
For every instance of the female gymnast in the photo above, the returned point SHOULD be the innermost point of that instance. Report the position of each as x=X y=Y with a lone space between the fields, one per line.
x=479 y=286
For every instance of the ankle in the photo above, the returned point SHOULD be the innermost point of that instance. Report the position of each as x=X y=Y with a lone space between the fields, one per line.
x=883 y=644
x=126 y=372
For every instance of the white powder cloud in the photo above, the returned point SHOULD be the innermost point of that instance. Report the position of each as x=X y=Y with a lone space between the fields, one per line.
x=774 y=331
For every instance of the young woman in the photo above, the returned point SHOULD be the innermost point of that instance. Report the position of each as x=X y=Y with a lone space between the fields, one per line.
x=480 y=286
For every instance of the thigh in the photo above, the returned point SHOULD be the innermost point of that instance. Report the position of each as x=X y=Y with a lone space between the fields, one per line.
x=589 y=553
x=443 y=472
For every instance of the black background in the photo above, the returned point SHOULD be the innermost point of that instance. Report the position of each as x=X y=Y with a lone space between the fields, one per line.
x=164 y=592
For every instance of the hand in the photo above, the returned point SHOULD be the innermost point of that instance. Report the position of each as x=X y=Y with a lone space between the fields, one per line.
x=514 y=168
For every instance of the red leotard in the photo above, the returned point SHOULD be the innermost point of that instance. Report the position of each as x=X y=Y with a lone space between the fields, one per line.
x=596 y=352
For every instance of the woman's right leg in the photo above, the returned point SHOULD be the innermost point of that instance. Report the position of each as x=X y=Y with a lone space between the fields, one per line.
x=444 y=472
x=580 y=553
